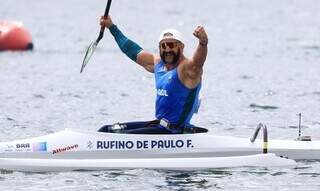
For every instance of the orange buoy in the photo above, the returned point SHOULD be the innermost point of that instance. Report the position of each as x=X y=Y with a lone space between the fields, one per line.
x=14 y=37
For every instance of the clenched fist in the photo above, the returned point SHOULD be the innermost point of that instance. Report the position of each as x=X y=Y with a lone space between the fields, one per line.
x=106 y=21
x=201 y=34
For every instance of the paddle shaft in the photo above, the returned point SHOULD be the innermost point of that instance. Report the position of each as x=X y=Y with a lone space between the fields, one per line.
x=106 y=12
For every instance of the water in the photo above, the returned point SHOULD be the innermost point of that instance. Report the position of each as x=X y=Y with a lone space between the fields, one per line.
x=262 y=66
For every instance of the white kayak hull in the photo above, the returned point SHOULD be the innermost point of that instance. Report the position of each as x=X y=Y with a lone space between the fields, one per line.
x=46 y=165
x=110 y=150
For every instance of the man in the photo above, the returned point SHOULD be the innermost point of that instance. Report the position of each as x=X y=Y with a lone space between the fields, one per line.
x=178 y=79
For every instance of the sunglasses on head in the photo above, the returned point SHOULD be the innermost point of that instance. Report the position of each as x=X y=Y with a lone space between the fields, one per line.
x=171 y=45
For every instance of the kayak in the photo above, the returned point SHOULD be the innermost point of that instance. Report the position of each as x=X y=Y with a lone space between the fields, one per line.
x=14 y=37
x=85 y=150
x=201 y=163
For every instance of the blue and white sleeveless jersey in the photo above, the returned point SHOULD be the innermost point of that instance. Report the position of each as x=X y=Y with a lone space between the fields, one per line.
x=175 y=102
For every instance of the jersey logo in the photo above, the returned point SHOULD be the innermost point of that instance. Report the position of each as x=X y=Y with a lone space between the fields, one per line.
x=162 y=92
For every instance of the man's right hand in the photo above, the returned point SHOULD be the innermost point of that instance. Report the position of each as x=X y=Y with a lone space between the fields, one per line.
x=106 y=21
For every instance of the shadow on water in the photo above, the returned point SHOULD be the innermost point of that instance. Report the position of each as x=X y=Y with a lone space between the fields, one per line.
x=262 y=171
x=175 y=180
x=312 y=174
x=312 y=47
x=6 y=172
x=210 y=179
x=179 y=180
x=10 y=119
x=316 y=93
x=296 y=126
x=246 y=77
x=263 y=107
x=117 y=175
x=190 y=180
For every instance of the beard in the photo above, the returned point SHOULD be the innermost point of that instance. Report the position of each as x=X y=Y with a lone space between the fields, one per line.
x=170 y=53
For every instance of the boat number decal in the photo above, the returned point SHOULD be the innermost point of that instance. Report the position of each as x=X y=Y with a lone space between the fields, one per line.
x=147 y=144
x=63 y=149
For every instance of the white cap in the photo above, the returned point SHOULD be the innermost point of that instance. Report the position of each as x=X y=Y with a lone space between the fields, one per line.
x=171 y=34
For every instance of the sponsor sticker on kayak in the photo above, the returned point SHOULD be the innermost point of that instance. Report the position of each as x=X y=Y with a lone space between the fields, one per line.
x=22 y=147
x=64 y=149
x=40 y=146
x=143 y=144
x=26 y=147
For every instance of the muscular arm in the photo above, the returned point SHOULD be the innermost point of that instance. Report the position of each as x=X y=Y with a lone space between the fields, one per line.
x=196 y=63
x=147 y=60
x=191 y=70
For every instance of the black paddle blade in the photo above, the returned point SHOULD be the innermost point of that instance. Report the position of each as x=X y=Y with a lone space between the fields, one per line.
x=88 y=55
x=93 y=45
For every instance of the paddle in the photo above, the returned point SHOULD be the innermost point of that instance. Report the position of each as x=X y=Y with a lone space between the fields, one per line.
x=94 y=44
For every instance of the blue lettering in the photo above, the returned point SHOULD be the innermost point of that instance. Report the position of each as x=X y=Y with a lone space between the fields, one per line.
x=112 y=144
x=153 y=144
x=160 y=145
x=168 y=144
x=189 y=143
x=121 y=145
x=22 y=145
x=99 y=145
x=139 y=144
x=129 y=144
x=115 y=144
x=142 y=144
x=145 y=144
x=179 y=143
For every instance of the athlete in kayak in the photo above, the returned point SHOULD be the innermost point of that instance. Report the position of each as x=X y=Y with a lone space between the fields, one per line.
x=178 y=79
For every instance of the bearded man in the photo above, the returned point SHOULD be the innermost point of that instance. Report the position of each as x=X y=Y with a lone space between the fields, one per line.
x=178 y=79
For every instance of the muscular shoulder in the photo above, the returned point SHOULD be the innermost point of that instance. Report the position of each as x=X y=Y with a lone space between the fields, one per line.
x=147 y=60
x=190 y=69
x=189 y=73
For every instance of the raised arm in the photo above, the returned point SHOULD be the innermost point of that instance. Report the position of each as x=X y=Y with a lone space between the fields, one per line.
x=191 y=70
x=200 y=55
x=127 y=46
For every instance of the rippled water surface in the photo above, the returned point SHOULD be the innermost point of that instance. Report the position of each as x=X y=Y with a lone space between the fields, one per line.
x=263 y=66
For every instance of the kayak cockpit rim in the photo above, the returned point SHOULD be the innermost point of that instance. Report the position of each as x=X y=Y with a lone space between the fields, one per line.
x=192 y=131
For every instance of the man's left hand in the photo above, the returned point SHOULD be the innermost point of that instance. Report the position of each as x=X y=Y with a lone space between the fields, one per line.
x=201 y=34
